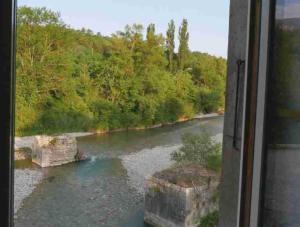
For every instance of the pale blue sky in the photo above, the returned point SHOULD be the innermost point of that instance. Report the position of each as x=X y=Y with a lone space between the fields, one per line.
x=208 y=20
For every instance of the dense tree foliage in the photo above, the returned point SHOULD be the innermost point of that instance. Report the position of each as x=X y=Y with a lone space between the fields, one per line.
x=70 y=80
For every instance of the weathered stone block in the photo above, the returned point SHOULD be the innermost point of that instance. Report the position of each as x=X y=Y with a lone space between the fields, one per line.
x=180 y=196
x=54 y=151
x=23 y=154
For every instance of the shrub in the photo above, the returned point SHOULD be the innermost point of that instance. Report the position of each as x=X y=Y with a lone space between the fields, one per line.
x=210 y=100
x=172 y=109
x=210 y=220
x=199 y=149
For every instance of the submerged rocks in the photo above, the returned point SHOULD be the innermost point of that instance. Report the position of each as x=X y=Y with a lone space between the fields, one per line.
x=54 y=151
x=180 y=196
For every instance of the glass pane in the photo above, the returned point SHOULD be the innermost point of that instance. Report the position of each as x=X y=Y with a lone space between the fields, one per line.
x=282 y=181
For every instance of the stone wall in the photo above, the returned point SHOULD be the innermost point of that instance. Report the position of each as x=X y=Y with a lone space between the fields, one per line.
x=174 y=204
x=23 y=154
x=54 y=151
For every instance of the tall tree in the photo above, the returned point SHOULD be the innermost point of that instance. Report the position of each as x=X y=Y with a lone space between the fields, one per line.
x=71 y=79
x=183 y=44
x=151 y=32
x=170 y=44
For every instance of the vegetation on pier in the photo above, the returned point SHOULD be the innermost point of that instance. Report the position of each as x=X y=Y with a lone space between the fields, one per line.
x=201 y=150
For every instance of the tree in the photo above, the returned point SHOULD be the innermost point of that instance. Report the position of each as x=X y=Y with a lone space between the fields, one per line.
x=183 y=51
x=200 y=149
x=153 y=51
x=74 y=80
x=170 y=44
x=134 y=35
x=151 y=33
x=38 y=16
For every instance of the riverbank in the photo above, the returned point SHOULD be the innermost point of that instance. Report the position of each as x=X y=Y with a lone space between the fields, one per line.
x=25 y=182
x=101 y=191
x=140 y=166
x=145 y=163
x=27 y=141
x=181 y=120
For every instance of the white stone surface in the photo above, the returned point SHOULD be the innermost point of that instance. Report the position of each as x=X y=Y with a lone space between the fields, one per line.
x=145 y=163
x=79 y=134
x=24 y=142
x=28 y=141
x=24 y=184
x=205 y=116
x=140 y=166
x=54 y=151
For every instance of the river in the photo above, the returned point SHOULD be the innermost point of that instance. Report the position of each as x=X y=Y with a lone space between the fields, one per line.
x=104 y=191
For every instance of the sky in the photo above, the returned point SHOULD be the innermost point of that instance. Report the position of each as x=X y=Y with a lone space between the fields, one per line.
x=208 y=20
x=288 y=9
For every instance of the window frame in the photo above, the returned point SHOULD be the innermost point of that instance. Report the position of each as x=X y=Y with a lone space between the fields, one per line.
x=253 y=165
x=253 y=138
x=249 y=113
x=7 y=89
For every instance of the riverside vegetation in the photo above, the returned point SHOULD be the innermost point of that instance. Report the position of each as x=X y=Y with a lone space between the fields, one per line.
x=76 y=80
x=201 y=149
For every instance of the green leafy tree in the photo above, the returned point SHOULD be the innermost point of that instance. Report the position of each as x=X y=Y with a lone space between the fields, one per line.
x=170 y=44
x=151 y=33
x=38 y=16
x=199 y=149
x=73 y=80
x=183 y=51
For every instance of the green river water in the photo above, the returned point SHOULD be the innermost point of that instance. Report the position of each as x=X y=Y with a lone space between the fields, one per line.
x=98 y=192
